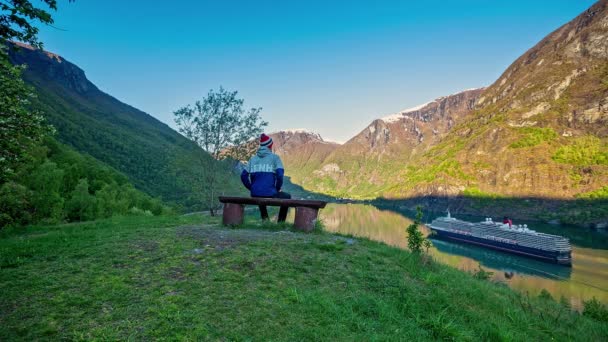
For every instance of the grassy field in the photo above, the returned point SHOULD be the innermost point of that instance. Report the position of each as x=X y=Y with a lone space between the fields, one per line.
x=187 y=278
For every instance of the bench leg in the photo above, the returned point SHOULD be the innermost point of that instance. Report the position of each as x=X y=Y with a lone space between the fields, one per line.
x=263 y=212
x=282 y=214
x=306 y=218
x=233 y=214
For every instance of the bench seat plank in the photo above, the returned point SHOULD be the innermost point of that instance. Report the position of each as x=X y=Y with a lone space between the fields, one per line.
x=273 y=202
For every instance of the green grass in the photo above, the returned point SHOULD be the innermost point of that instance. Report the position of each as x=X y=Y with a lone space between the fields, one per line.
x=186 y=278
x=532 y=136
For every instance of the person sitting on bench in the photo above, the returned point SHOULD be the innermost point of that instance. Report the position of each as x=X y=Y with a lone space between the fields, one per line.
x=263 y=176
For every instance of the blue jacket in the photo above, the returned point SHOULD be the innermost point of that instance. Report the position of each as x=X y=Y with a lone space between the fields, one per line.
x=263 y=175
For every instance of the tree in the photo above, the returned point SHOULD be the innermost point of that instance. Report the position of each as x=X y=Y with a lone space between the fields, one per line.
x=46 y=183
x=415 y=240
x=15 y=207
x=221 y=126
x=82 y=205
x=20 y=127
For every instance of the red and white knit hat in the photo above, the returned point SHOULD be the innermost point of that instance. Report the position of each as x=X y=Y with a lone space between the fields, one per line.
x=265 y=140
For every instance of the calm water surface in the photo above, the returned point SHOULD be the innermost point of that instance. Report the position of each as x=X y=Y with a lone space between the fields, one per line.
x=587 y=278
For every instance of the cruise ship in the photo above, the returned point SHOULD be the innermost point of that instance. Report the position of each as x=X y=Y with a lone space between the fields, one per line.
x=516 y=239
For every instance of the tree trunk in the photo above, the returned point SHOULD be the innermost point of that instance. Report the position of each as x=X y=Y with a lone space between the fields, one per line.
x=211 y=208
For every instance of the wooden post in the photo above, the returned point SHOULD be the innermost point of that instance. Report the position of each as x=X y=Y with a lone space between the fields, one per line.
x=306 y=218
x=233 y=214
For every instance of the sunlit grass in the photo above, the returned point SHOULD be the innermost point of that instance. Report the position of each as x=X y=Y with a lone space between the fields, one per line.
x=187 y=278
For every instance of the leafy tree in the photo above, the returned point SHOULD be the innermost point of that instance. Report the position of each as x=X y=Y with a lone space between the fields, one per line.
x=221 y=126
x=46 y=182
x=219 y=121
x=20 y=127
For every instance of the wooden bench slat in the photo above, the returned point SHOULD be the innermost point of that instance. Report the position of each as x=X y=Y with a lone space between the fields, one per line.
x=273 y=202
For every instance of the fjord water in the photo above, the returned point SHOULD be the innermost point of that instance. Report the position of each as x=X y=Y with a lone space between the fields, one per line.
x=587 y=278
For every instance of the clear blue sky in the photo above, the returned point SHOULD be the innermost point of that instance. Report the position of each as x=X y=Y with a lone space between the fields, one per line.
x=328 y=66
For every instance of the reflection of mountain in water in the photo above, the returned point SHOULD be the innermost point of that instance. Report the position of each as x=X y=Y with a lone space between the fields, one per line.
x=505 y=262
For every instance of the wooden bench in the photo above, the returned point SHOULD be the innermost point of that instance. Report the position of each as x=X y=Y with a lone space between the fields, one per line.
x=306 y=210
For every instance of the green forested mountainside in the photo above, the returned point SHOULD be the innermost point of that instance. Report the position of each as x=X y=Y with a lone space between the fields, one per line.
x=155 y=158
x=59 y=184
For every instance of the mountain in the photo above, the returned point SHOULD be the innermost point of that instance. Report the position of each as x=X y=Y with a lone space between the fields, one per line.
x=155 y=158
x=301 y=151
x=540 y=132
x=371 y=160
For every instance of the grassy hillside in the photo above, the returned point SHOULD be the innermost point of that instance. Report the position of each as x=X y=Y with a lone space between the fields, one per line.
x=155 y=158
x=186 y=278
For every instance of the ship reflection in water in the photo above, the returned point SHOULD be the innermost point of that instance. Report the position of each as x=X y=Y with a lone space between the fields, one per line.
x=509 y=264
x=587 y=278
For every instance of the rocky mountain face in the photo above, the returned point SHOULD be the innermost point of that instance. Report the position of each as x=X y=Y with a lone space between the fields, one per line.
x=369 y=160
x=561 y=80
x=541 y=129
x=52 y=66
x=420 y=126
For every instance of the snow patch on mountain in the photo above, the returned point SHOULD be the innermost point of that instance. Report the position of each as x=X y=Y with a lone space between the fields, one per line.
x=402 y=114
x=316 y=136
x=330 y=141
x=297 y=130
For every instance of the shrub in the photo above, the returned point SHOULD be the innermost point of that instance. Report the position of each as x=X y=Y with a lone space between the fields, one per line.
x=601 y=193
x=482 y=274
x=533 y=136
x=545 y=295
x=15 y=208
x=596 y=310
x=415 y=240
x=583 y=151
x=140 y=212
x=82 y=206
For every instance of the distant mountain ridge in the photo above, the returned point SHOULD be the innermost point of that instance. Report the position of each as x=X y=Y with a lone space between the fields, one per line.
x=95 y=123
x=366 y=162
x=301 y=151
